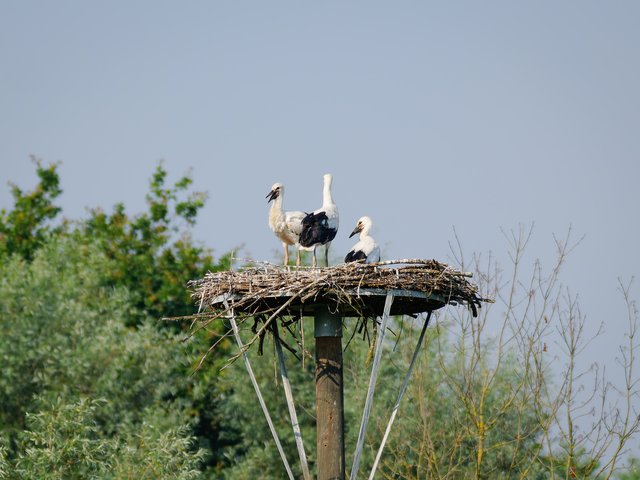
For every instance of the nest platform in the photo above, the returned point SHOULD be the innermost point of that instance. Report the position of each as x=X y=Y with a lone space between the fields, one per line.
x=349 y=289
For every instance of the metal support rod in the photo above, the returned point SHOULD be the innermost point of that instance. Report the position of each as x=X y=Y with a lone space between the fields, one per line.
x=329 y=396
x=403 y=389
x=247 y=364
x=382 y=329
x=297 y=434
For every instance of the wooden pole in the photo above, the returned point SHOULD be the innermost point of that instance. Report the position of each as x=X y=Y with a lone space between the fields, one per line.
x=329 y=396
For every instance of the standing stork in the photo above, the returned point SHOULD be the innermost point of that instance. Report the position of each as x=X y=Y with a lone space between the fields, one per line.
x=320 y=227
x=286 y=225
x=366 y=249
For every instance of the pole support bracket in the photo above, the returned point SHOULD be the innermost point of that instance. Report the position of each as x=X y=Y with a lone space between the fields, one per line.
x=327 y=324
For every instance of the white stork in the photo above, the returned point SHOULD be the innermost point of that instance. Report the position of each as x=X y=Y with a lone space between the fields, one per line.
x=366 y=249
x=321 y=226
x=286 y=225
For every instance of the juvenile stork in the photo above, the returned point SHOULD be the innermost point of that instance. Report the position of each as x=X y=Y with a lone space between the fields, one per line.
x=320 y=227
x=286 y=225
x=366 y=249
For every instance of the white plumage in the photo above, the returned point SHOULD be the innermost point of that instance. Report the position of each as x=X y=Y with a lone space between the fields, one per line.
x=321 y=226
x=366 y=249
x=286 y=225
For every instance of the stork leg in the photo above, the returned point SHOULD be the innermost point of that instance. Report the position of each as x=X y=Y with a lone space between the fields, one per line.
x=286 y=253
x=297 y=257
x=314 y=264
x=326 y=254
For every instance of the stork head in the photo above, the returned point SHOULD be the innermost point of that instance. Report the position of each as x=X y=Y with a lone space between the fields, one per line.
x=277 y=189
x=364 y=225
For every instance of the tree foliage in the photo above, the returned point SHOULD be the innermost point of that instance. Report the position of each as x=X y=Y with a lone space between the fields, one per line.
x=69 y=300
x=25 y=228
x=94 y=386
x=81 y=393
x=152 y=251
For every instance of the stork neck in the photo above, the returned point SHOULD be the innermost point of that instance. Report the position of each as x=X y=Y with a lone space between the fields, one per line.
x=326 y=193
x=276 y=205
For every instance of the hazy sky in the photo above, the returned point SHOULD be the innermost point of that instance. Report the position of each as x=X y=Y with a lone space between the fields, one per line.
x=473 y=115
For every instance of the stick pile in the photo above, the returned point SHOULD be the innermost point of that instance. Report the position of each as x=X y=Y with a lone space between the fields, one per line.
x=252 y=290
x=265 y=292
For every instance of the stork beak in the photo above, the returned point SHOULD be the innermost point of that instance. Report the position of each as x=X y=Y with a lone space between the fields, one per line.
x=358 y=229
x=272 y=195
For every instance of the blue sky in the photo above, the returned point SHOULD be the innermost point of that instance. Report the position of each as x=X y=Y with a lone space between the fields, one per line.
x=474 y=115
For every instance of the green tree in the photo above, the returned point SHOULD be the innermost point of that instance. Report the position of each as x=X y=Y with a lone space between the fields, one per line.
x=80 y=391
x=25 y=228
x=153 y=252
x=66 y=442
x=141 y=263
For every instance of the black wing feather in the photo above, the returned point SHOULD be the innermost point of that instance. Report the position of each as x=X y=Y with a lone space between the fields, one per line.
x=354 y=256
x=315 y=230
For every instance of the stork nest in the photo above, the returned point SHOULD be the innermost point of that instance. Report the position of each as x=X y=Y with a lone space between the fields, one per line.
x=266 y=288
x=265 y=291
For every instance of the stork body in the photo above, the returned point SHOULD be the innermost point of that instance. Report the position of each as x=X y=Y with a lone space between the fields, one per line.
x=366 y=249
x=286 y=225
x=320 y=226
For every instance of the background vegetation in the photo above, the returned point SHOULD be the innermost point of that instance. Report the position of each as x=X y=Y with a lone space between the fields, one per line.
x=95 y=385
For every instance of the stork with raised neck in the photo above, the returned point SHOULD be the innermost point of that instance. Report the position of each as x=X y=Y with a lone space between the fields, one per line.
x=320 y=226
x=366 y=248
x=286 y=225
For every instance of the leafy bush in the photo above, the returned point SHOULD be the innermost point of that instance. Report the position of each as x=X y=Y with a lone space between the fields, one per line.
x=82 y=394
